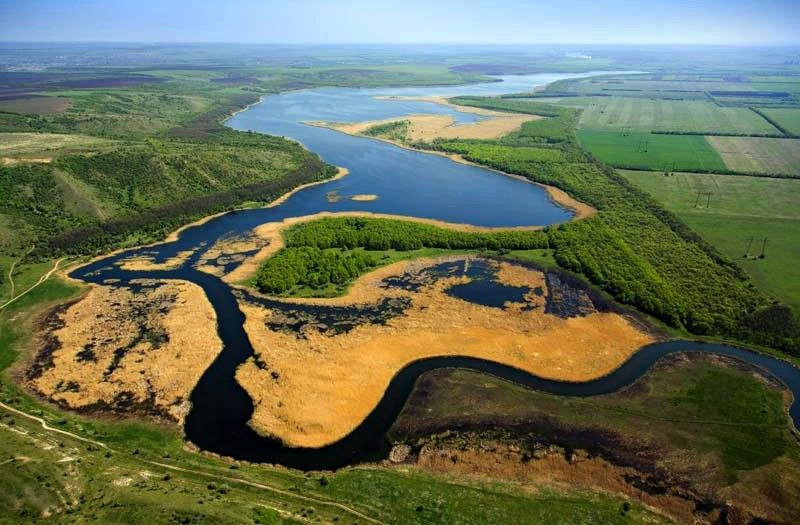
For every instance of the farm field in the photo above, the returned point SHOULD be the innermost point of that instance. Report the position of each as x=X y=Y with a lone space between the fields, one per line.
x=649 y=151
x=689 y=116
x=739 y=209
x=788 y=118
x=759 y=155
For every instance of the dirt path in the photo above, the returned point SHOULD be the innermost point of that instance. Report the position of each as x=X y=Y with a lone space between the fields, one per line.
x=42 y=279
x=175 y=468
x=49 y=428
x=11 y=270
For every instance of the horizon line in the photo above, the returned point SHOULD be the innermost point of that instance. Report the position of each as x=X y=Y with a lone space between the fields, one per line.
x=442 y=43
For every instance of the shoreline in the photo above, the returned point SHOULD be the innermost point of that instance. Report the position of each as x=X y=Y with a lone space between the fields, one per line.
x=581 y=210
x=175 y=234
x=273 y=232
x=556 y=195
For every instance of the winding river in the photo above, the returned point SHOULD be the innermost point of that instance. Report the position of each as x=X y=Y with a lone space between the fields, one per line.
x=407 y=183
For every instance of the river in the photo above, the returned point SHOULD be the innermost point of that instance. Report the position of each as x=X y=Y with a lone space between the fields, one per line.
x=407 y=183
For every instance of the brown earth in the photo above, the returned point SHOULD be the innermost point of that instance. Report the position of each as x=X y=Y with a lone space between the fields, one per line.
x=310 y=388
x=128 y=352
x=489 y=460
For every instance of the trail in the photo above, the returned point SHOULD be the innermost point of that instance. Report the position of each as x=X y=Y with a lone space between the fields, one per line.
x=42 y=279
x=11 y=270
x=209 y=475
x=51 y=429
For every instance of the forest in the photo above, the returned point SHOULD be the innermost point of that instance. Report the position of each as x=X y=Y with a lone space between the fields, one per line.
x=311 y=266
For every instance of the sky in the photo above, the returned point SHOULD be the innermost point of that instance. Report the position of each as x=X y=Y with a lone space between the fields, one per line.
x=404 y=21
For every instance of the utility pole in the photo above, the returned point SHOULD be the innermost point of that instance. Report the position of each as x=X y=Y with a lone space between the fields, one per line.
x=749 y=244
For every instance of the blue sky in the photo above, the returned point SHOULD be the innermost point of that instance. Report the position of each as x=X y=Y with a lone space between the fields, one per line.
x=403 y=21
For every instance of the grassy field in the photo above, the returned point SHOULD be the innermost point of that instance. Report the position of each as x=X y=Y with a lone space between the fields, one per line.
x=688 y=116
x=739 y=209
x=48 y=145
x=759 y=155
x=788 y=118
x=713 y=425
x=638 y=150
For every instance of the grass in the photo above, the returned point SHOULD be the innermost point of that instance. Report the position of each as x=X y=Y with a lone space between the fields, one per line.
x=740 y=208
x=126 y=488
x=678 y=417
x=759 y=155
x=688 y=116
x=788 y=118
x=543 y=258
x=647 y=151
x=33 y=145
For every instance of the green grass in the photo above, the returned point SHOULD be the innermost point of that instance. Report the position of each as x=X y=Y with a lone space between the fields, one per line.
x=740 y=208
x=543 y=258
x=787 y=118
x=687 y=116
x=678 y=417
x=649 y=151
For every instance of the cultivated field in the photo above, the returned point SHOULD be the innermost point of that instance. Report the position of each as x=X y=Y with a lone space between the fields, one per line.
x=788 y=118
x=652 y=152
x=728 y=211
x=689 y=116
x=759 y=155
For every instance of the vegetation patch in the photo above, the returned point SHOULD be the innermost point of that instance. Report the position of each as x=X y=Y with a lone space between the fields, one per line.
x=649 y=151
x=671 y=116
x=713 y=422
x=744 y=217
x=787 y=118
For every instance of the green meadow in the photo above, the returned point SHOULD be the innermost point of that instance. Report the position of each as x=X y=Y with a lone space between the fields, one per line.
x=729 y=211
x=648 y=151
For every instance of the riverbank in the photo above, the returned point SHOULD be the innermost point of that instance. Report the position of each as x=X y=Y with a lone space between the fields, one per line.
x=580 y=209
x=314 y=390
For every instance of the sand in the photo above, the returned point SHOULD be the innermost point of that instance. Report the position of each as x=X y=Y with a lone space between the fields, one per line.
x=430 y=127
x=364 y=197
x=316 y=389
